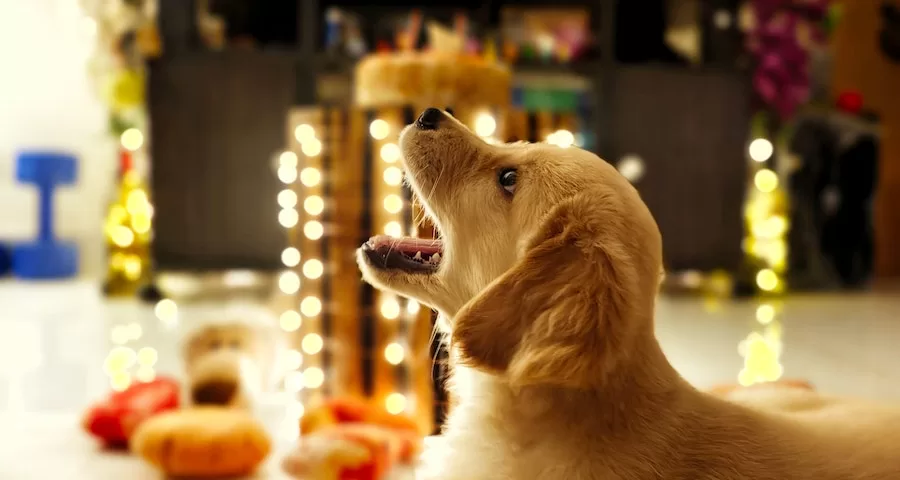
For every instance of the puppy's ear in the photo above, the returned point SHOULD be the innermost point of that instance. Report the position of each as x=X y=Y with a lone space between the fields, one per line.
x=563 y=315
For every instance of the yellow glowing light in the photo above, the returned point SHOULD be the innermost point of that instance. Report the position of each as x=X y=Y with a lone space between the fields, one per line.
x=393 y=176
x=390 y=309
x=121 y=236
x=147 y=356
x=134 y=330
x=292 y=360
x=287 y=159
x=311 y=306
x=313 y=269
x=314 y=205
x=117 y=215
x=393 y=229
x=290 y=257
x=765 y=313
x=390 y=152
x=119 y=335
x=312 y=344
x=304 y=133
x=313 y=230
x=767 y=280
x=313 y=377
x=765 y=180
x=310 y=176
x=140 y=223
x=393 y=203
x=412 y=307
x=145 y=374
x=394 y=353
x=119 y=359
x=761 y=150
x=131 y=266
x=379 y=129
x=287 y=174
x=485 y=125
x=289 y=282
x=312 y=147
x=561 y=138
x=287 y=199
x=761 y=358
x=288 y=218
x=136 y=202
x=293 y=381
x=290 y=321
x=395 y=403
x=119 y=381
x=132 y=139
x=166 y=310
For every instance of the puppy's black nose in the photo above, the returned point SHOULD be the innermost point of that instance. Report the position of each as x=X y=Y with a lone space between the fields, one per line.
x=429 y=119
x=214 y=393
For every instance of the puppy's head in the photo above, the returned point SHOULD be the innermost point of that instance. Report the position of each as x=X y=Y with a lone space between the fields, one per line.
x=549 y=260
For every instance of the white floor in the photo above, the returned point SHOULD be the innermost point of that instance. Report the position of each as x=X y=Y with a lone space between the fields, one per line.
x=54 y=339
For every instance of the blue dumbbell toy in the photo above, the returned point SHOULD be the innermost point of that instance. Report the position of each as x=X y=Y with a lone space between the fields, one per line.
x=46 y=257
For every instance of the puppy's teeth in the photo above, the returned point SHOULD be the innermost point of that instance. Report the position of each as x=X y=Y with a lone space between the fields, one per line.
x=436 y=258
x=418 y=256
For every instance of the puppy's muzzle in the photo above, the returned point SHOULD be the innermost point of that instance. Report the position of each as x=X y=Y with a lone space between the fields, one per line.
x=429 y=119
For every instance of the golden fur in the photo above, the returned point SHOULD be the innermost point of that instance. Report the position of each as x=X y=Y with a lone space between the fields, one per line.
x=548 y=296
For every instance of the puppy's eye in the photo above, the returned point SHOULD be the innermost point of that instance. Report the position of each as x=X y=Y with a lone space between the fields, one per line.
x=507 y=179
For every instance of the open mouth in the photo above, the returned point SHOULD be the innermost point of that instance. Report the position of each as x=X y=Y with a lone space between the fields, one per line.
x=408 y=254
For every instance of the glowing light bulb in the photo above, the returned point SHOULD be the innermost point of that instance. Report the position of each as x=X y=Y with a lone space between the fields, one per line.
x=290 y=321
x=119 y=359
x=767 y=280
x=390 y=152
x=395 y=403
x=313 y=377
x=311 y=147
x=289 y=282
x=166 y=311
x=147 y=356
x=288 y=218
x=120 y=381
x=313 y=269
x=390 y=309
x=393 y=176
x=122 y=236
x=290 y=257
x=293 y=381
x=379 y=129
x=304 y=132
x=561 y=138
x=287 y=159
x=393 y=203
x=140 y=223
x=136 y=202
x=292 y=360
x=313 y=230
x=393 y=229
x=761 y=150
x=765 y=180
x=485 y=125
x=132 y=139
x=287 y=174
x=412 y=307
x=310 y=176
x=394 y=353
x=312 y=344
x=145 y=374
x=287 y=199
x=765 y=313
x=314 y=205
x=311 y=306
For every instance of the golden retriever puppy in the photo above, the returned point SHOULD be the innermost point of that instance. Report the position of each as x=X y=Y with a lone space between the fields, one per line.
x=231 y=356
x=547 y=275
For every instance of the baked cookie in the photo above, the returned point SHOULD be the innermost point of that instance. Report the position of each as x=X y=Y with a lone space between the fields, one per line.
x=203 y=442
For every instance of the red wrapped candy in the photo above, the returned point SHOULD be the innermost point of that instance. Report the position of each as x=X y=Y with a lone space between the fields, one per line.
x=113 y=419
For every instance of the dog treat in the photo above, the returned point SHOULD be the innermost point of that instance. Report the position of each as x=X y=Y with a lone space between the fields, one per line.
x=207 y=442
x=115 y=418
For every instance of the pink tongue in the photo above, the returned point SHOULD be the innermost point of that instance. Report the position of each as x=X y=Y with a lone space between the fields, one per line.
x=409 y=244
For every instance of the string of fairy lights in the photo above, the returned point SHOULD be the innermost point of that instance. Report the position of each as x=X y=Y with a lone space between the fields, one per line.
x=765 y=245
